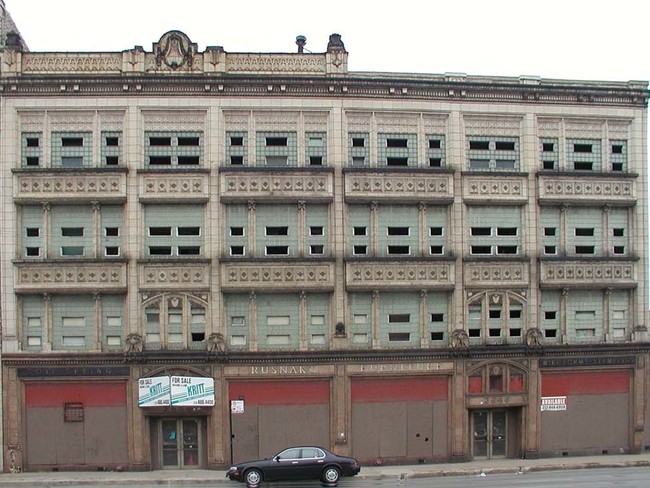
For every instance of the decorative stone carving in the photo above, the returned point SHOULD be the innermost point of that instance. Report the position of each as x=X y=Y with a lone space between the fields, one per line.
x=166 y=185
x=509 y=272
x=189 y=275
x=253 y=185
x=52 y=276
x=263 y=276
x=459 y=339
x=534 y=338
x=507 y=188
x=134 y=347
x=569 y=273
x=174 y=51
x=51 y=63
x=170 y=120
x=216 y=343
x=66 y=186
x=398 y=186
x=416 y=275
x=278 y=63
x=587 y=189
x=492 y=126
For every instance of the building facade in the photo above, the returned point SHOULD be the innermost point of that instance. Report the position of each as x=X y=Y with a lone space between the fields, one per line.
x=207 y=256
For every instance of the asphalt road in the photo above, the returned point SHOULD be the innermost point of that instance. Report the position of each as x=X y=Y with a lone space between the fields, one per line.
x=591 y=478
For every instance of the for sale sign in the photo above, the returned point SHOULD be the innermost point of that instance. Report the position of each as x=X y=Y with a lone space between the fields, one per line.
x=192 y=391
x=153 y=392
x=555 y=403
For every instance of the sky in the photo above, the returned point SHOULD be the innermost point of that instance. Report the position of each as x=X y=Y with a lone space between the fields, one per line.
x=568 y=39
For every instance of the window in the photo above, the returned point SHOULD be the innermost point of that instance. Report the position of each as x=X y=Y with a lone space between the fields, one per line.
x=359 y=250
x=277 y=250
x=435 y=231
x=72 y=231
x=359 y=231
x=160 y=231
x=549 y=231
x=237 y=250
x=401 y=250
x=236 y=141
x=399 y=336
x=394 y=318
x=277 y=231
x=316 y=230
x=236 y=231
x=32 y=232
x=506 y=231
x=398 y=231
x=174 y=149
x=618 y=232
x=276 y=141
x=316 y=249
x=111 y=231
x=188 y=231
x=493 y=154
x=112 y=250
x=72 y=161
x=481 y=231
x=278 y=320
x=584 y=231
x=358 y=142
x=437 y=317
x=238 y=321
x=73 y=321
x=72 y=251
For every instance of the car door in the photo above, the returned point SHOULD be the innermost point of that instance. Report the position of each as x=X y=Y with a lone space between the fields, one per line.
x=285 y=465
x=311 y=462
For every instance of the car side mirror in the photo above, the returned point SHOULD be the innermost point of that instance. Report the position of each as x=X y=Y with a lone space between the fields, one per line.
x=276 y=458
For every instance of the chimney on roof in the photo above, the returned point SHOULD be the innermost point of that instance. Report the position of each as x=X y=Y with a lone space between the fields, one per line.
x=14 y=41
x=335 y=44
x=301 y=41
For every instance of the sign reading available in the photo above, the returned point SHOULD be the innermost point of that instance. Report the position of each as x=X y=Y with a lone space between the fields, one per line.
x=553 y=404
x=182 y=391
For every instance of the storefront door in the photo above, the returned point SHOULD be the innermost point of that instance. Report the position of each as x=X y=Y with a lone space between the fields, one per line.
x=489 y=434
x=180 y=443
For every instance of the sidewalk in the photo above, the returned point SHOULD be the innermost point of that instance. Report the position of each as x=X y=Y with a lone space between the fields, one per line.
x=203 y=476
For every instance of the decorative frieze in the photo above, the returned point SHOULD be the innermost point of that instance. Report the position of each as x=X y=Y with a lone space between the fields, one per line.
x=173 y=186
x=566 y=189
x=492 y=126
x=507 y=188
x=70 y=186
x=59 y=276
x=273 y=276
x=416 y=186
x=257 y=186
x=51 y=63
x=506 y=273
x=276 y=63
x=174 y=120
x=588 y=273
x=395 y=274
x=174 y=275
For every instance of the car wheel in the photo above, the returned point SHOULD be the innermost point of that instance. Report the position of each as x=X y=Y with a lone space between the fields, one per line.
x=253 y=477
x=331 y=474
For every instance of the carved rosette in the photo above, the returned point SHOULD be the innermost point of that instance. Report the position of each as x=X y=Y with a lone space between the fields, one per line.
x=587 y=189
x=505 y=188
x=401 y=275
x=490 y=274
x=265 y=186
x=261 y=276
x=278 y=63
x=190 y=276
x=166 y=186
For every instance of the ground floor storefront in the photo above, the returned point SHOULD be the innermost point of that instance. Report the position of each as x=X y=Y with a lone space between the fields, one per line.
x=391 y=409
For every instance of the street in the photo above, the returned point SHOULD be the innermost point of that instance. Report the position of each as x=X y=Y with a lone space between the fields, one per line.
x=593 y=478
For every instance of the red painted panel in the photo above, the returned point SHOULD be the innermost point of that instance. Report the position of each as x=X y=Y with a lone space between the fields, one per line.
x=281 y=393
x=407 y=389
x=90 y=394
x=475 y=384
x=587 y=383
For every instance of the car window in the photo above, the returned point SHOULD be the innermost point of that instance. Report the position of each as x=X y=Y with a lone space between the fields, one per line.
x=290 y=454
x=310 y=453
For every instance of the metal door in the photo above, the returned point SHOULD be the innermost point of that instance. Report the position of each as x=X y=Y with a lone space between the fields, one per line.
x=489 y=434
x=180 y=443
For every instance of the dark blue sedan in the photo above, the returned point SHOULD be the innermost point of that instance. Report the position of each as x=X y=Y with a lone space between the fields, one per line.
x=294 y=463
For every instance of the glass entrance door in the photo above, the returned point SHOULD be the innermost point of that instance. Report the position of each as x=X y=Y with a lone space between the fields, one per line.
x=489 y=434
x=180 y=443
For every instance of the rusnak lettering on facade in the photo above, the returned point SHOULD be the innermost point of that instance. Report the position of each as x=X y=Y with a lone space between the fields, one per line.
x=278 y=370
x=569 y=362
x=74 y=371
x=399 y=367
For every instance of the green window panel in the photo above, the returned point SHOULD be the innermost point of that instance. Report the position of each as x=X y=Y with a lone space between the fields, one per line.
x=549 y=315
x=31 y=149
x=316 y=149
x=494 y=231
x=549 y=153
x=436 y=151
x=33 y=314
x=584 y=315
x=72 y=231
x=399 y=322
x=113 y=322
x=618 y=155
x=73 y=322
x=492 y=153
x=72 y=149
x=152 y=323
x=549 y=221
x=278 y=321
x=620 y=320
x=236 y=231
x=276 y=232
x=358 y=231
x=111 y=149
x=360 y=320
x=237 y=320
x=174 y=231
x=276 y=149
x=395 y=150
x=197 y=325
x=33 y=238
x=236 y=148
x=584 y=154
x=436 y=230
x=619 y=232
x=181 y=150
x=318 y=319
x=585 y=232
x=359 y=149
x=437 y=319
x=112 y=230
x=316 y=231
x=398 y=230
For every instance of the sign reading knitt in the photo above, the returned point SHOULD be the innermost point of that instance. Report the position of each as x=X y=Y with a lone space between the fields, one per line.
x=181 y=391
x=188 y=391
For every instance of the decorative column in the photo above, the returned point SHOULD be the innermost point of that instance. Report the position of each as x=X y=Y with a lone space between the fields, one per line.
x=252 y=327
x=47 y=230
x=607 y=210
x=422 y=218
x=459 y=414
x=607 y=336
x=98 y=320
x=302 y=320
x=301 y=228
x=374 y=209
x=423 y=318
x=563 y=309
x=374 y=319
x=639 y=393
x=47 y=327
x=250 y=231
x=563 y=229
x=97 y=226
